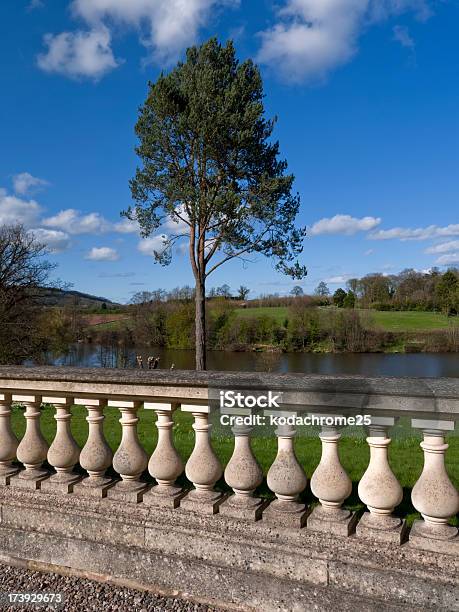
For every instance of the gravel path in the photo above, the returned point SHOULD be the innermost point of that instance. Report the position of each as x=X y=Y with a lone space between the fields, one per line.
x=82 y=595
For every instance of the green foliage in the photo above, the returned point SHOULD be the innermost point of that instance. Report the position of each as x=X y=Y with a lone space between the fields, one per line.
x=180 y=327
x=232 y=332
x=305 y=325
x=209 y=163
x=409 y=290
x=60 y=329
x=349 y=300
x=208 y=160
x=448 y=292
x=338 y=297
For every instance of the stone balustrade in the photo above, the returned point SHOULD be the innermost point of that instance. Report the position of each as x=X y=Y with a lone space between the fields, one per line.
x=132 y=477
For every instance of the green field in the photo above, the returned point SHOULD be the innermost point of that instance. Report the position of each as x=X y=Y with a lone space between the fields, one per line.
x=387 y=320
x=411 y=321
x=406 y=456
x=393 y=321
x=279 y=313
x=111 y=325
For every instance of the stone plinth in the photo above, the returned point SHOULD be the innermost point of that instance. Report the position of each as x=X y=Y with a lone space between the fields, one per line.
x=339 y=522
x=390 y=529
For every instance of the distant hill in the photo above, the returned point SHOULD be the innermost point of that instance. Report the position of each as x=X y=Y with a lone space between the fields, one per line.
x=60 y=297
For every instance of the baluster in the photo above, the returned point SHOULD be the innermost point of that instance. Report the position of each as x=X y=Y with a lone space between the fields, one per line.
x=434 y=495
x=331 y=485
x=8 y=441
x=165 y=464
x=64 y=452
x=286 y=478
x=379 y=489
x=203 y=468
x=130 y=459
x=243 y=474
x=33 y=448
x=96 y=455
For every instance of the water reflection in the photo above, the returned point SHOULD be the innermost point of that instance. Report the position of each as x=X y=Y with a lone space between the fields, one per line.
x=368 y=364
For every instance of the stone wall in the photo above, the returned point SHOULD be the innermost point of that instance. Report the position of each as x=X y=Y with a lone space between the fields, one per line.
x=142 y=529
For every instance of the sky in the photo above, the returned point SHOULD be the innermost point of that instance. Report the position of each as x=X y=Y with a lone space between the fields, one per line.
x=367 y=98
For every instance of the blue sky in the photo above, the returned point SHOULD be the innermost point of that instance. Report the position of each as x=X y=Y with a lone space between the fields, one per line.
x=367 y=95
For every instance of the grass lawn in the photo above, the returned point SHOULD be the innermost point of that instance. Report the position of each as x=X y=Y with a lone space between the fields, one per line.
x=406 y=456
x=110 y=325
x=388 y=320
x=411 y=321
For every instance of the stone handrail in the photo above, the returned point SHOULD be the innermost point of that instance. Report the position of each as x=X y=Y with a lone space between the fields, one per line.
x=432 y=405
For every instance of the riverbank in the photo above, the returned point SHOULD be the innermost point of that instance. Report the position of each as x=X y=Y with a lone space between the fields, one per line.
x=287 y=330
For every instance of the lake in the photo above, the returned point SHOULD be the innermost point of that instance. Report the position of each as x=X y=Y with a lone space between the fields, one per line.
x=368 y=364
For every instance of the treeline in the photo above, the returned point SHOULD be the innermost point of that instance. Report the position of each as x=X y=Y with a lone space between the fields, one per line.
x=409 y=290
x=305 y=327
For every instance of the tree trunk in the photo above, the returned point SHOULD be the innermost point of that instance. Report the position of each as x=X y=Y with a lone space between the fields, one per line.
x=200 y=324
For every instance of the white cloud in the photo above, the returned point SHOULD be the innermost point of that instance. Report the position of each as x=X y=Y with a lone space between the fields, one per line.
x=419 y=233
x=126 y=226
x=102 y=254
x=312 y=37
x=402 y=35
x=73 y=222
x=449 y=259
x=55 y=240
x=338 y=280
x=148 y=246
x=164 y=27
x=17 y=210
x=444 y=247
x=369 y=252
x=25 y=182
x=79 y=54
x=344 y=224
x=178 y=225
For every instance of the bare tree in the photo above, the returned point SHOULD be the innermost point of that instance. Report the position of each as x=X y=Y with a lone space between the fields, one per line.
x=243 y=292
x=24 y=273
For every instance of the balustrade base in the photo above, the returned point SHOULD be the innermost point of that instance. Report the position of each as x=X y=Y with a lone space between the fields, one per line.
x=5 y=477
x=202 y=502
x=128 y=491
x=32 y=483
x=339 y=522
x=60 y=484
x=245 y=508
x=424 y=538
x=164 y=497
x=226 y=564
x=90 y=488
x=290 y=514
x=377 y=528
